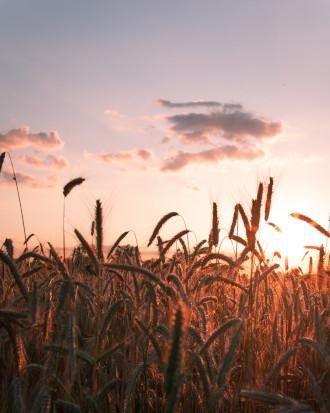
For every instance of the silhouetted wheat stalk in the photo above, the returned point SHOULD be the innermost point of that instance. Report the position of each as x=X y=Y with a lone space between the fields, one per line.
x=66 y=190
x=2 y=158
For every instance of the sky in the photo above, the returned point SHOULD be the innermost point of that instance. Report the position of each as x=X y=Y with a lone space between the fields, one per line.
x=164 y=106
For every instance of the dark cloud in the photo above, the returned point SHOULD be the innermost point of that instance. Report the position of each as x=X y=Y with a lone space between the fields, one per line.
x=182 y=159
x=190 y=104
x=232 y=106
x=6 y=178
x=21 y=137
x=50 y=161
x=230 y=123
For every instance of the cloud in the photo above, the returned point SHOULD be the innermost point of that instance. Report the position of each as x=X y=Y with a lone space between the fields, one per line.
x=229 y=123
x=144 y=154
x=109 y=157
x=190 y=104
x=134 y=154
x=232 y=106
x=165 y=139
x=21 y=137
x=182 y=159
x=6 y=178
x=51 y=161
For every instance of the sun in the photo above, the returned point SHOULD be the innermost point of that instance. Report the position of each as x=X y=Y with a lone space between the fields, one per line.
x=289 y=238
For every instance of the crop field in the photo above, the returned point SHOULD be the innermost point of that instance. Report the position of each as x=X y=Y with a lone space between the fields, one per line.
x=194 y=329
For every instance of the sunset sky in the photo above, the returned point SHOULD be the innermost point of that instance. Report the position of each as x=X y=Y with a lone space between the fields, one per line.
x=164 y=106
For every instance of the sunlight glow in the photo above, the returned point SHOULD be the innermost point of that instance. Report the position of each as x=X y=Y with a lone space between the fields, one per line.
x=291 y=241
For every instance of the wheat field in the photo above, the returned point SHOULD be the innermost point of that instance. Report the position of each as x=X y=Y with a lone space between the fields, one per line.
x=192 y=330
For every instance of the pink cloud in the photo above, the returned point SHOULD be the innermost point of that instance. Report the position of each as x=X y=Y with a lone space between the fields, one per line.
x=144 y=154
x=6 y=178
x=116 y=156
x=21 y=137
x=131 y=155
x=50 y=161
x=182 y=159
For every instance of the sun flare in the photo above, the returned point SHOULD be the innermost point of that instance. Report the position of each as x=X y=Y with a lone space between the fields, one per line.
x=289 y=238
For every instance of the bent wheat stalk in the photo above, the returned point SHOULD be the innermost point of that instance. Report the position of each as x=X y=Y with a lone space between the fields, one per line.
x=66 y=190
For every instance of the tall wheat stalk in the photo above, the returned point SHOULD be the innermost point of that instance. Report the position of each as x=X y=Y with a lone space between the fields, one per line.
x=17 y=190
